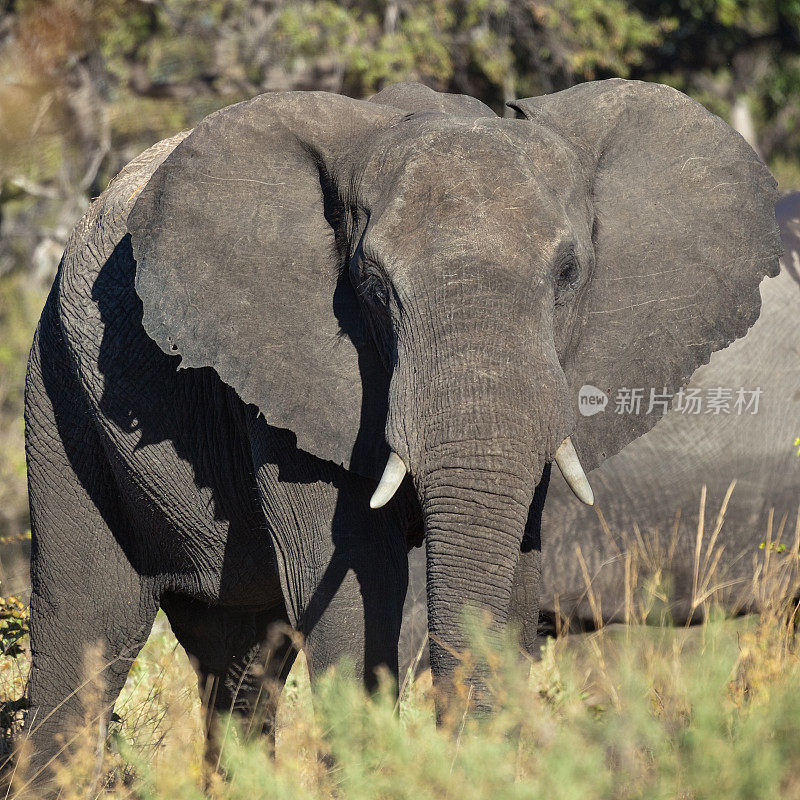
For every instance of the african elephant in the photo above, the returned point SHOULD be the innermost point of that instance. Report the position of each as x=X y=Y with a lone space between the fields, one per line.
x=660 y=477
x=310 y=301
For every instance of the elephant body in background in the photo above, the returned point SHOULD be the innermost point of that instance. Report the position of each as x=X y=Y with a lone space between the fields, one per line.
x=642 y=489
x=257 y=316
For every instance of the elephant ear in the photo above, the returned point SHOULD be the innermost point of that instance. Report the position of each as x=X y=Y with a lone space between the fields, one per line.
x=417 y=97
x=684 y=231
x=239 y=240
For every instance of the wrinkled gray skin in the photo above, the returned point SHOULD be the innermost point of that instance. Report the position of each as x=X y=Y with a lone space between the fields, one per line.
x=663 y=472
x=252 y=317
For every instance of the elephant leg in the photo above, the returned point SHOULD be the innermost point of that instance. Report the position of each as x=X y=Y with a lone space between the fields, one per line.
x=343 y=565
x=355 y=611
x=89 y=618
x=242 y=659
x=90 y=611
x=525 y=593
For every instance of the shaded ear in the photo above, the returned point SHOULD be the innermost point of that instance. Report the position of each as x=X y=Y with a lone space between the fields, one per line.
x=684 y=231
x=240 y=243
x=417 y=97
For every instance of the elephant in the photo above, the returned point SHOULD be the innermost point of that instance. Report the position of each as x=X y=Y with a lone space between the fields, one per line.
x=284 y=347
x=652 y=491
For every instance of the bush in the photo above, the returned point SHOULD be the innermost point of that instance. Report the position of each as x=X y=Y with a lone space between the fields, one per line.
x=704 y=712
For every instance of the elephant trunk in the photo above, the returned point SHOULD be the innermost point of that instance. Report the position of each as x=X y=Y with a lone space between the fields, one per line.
x=479 y=404
x=476 y=492
x=474 y=519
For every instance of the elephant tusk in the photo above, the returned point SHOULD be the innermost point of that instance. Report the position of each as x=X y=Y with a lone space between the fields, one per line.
x=571 y=469
x=391 y=479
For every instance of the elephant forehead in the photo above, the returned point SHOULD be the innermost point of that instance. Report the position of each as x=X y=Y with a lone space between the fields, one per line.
x=484 y=152
x=491 y=188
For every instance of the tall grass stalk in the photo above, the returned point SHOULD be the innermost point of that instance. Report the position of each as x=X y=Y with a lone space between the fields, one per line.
x=638 y=711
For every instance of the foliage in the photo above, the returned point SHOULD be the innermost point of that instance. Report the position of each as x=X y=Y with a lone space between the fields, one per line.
x=495 y=49
x=14 y=668
x=19 y=309
x=14 y=619
x=705 y=712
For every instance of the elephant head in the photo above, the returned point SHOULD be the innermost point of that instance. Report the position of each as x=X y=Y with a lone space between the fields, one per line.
x=414 y=285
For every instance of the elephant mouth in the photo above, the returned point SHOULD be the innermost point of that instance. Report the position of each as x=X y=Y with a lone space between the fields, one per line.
x=565 y=458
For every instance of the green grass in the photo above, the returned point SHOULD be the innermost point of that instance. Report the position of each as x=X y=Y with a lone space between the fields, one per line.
x=705 y=712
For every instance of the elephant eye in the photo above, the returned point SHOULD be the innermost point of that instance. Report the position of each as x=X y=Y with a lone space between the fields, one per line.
x=374 y=289
x=567 y=277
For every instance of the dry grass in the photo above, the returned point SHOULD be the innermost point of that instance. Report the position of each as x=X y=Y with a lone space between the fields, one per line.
x=638 y=568
x=704 y=711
